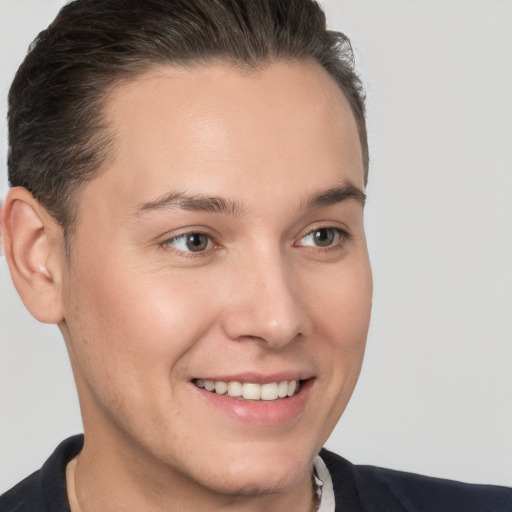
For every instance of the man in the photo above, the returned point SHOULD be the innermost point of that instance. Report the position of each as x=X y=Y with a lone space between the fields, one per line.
x=186 y=204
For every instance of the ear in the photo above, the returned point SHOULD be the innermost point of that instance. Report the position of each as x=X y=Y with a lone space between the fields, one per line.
x=34 y=249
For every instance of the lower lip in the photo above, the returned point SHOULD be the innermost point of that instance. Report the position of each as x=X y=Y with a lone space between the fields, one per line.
x=260 y=411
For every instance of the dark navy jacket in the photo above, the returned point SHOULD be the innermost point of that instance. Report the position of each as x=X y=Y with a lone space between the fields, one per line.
x=356 y=489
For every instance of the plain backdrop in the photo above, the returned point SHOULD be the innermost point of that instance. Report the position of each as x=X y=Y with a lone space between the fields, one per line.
x=435 y=394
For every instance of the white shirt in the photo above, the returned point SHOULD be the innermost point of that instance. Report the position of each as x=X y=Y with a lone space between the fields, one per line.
x=324 y=484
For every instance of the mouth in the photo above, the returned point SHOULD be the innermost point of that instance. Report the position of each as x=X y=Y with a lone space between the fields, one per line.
x=257 y=399
x=268 y=392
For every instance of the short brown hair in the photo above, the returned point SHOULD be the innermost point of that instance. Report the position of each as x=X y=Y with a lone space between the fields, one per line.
x=57 y=137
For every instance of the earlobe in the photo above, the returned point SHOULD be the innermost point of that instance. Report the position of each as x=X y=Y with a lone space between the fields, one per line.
x=32 y=249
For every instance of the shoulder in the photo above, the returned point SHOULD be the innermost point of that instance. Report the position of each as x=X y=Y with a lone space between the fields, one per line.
x=417 y=492
x=389 y=490
x=44 y=490
x=25 y=496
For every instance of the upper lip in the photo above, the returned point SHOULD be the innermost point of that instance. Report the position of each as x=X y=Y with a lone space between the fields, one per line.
x=260 y=378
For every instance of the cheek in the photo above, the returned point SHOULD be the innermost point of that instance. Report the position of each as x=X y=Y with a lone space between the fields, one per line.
x=138 y=309
x=342 y=303
x=131 y=329
x=341 y=310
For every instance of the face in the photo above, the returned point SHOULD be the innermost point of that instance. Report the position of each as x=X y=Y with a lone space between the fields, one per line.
x=223 y=247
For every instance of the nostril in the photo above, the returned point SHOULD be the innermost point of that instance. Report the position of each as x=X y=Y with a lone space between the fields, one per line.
x=267 y=311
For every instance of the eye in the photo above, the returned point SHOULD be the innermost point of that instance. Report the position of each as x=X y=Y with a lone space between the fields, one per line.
x=323 y=237
x=189 y=242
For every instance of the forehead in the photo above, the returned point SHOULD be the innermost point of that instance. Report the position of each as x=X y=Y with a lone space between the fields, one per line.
x=279 y=123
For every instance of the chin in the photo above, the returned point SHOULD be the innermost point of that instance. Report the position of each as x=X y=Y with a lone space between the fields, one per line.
x=259 y=471
x=251 y=482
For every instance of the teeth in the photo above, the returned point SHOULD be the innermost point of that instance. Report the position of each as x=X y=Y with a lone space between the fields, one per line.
x=292 y=387
x=235 y=389
x=269 y=391
x=249 y=390
x=220 y=387
x=282 y=389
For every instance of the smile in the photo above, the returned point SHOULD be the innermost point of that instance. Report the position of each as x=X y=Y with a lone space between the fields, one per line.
x=249 y=390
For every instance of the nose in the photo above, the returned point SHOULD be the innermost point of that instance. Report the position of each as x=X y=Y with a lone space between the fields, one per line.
x=265 y=303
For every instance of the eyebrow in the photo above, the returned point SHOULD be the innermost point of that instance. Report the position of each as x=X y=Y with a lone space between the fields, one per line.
x=193 y=203
x=347 y=190
x=216 y=204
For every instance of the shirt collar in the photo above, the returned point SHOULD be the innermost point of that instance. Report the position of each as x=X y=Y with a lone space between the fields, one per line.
x=324 y=487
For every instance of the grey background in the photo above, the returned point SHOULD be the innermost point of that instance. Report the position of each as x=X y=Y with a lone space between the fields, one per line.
x=435 y=395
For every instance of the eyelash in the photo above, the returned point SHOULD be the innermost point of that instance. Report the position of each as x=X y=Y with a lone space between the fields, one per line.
x=340 y=237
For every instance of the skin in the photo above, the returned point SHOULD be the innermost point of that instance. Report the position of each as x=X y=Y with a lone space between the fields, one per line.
x=143 y=316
